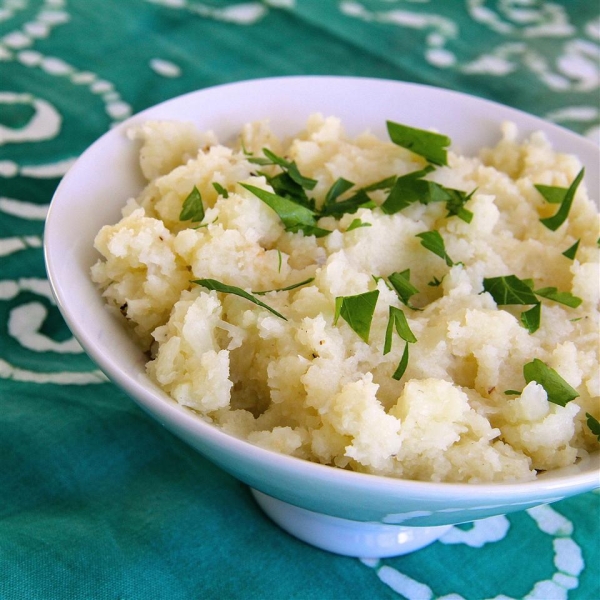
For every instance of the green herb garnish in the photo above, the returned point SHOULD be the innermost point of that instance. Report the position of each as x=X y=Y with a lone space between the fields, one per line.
x=383 y=184
x=348 y=206
x=509 y=289
x=213 y=284
x=532 y=318
x=429 y=145
x=551 y=194
x=203 y=225
x=286 y=289
x=433 y=241
x=220 y=189
x=403 y=287
x=192 y=209
x=572 y=251
x=356 y=223
x=340 y=186
x=294 y=216
x=411 y=188
x=456 y=204
x=357 y=311
x=397 y=320
x=554 y=222
x=593 y=424
x=566 y=298
x=558 y=390
x=283 y=185
x=290 y=167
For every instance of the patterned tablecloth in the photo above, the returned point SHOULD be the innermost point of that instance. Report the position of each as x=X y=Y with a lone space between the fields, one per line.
x=97 y=500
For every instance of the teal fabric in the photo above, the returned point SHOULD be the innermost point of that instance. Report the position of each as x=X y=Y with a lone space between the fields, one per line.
x=98 y=500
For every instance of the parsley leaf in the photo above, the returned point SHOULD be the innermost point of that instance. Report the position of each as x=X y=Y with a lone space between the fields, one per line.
x=283 y=185
x=192 y=209
x=558 y=390
x=593 y=424
x=433 y=241
x=456 y=204
x=565 y=298
x=551 y=194
x=397 y=320
x=357 y=311
x=290 y=167
x=400 y=370
x=339 y=186
x=429 y=145
x=286 y=289
x=213 y=284
x=356 y=223
x=349 y=206
x=383 y=184
x=220 y=189
x=512 y=290
x=532 y=318
x=294 y=216
x=554 y=222
x=509 y=290
x=411 y=188
x=572 y=251
x=403 y=287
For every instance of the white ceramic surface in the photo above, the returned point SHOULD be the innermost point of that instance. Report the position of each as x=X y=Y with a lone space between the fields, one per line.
x=93 y=193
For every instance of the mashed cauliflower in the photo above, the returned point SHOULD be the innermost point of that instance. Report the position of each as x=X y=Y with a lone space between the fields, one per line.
x=303 y=381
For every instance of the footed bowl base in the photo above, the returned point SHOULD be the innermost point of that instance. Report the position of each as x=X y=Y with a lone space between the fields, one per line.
x=343 y=536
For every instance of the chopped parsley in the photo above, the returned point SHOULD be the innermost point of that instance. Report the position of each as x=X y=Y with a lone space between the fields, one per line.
x=288 y=288
x=593 y=424
x=340 y=186
x=403 y=287
x=294 y=216
x=566 y=298
x=510 y=290
x=411 y=188
x=456 y=204
x=357 y=311
x=572 y=251
x=349 y=206
x=397 y=320
x=429 y=145
x=220 y=189
x=290 y=167
x=551 y=193
x=192 y=209
x=558 y=390
x=433 y=241
x=356 y=223
x=554 y=222
x=213 y=284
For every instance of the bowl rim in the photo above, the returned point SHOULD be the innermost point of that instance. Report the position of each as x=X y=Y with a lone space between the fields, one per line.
x=151 y=398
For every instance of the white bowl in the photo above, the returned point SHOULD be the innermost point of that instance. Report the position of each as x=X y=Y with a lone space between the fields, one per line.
x=341 y=511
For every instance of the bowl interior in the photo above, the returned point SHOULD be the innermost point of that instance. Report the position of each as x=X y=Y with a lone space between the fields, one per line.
x=107 y=174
